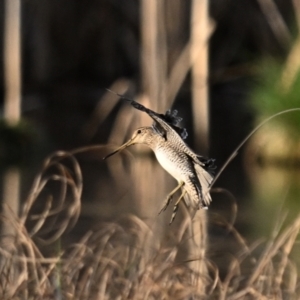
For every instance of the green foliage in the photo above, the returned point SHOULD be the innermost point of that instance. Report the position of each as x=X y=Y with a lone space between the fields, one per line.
x=270 y=97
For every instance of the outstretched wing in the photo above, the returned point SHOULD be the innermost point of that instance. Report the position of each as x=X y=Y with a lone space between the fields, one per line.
x=171 y=118
x=207 y=164
x=162 y=122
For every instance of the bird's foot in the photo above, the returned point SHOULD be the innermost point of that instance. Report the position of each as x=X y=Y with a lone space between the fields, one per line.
x=170 y=197
x=167 y=202
x=174 y=213
x=175 y=209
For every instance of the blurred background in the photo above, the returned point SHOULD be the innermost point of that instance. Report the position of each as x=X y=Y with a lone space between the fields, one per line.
x=58 y=58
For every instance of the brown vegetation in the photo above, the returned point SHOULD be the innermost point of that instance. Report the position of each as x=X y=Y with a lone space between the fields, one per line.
x=117 y=262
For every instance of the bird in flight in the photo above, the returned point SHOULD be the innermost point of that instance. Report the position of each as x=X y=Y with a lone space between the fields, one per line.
x=194 y=173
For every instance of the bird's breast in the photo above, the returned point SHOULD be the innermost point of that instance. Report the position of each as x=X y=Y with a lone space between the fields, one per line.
x=173 y=162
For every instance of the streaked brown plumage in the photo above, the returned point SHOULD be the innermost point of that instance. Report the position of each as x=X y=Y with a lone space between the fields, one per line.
x=192 y=172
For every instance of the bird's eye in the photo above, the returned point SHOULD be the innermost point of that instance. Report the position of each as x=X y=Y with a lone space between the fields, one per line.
x=139 y=131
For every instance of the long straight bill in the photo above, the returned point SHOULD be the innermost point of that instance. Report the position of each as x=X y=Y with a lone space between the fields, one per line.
x=127 y=144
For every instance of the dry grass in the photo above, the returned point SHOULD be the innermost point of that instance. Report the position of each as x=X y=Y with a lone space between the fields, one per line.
x=117 y=261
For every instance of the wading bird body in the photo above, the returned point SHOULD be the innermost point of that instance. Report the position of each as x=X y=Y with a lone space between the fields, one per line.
x=192 y=171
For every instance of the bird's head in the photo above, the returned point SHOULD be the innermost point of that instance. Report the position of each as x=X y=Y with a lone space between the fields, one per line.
x=143 y=135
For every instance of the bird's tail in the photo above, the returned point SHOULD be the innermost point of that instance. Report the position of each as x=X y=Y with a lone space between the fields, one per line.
x=205 y=179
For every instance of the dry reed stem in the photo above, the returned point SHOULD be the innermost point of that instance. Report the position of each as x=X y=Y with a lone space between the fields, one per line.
x=291 y=68
x=25 y=271
x=200 y=34
x=69 y=179
x=110 y=264
x=104 y=108
x=292 y=62
x=12 y=61
x=233 y=203
x=272 y=249
x=276 y=22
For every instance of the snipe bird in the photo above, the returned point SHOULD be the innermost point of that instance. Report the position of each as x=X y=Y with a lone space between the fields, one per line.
x=192 y=171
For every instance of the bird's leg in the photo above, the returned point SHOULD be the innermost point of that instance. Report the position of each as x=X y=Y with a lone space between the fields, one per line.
x=176 y=206
x=170 y=197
